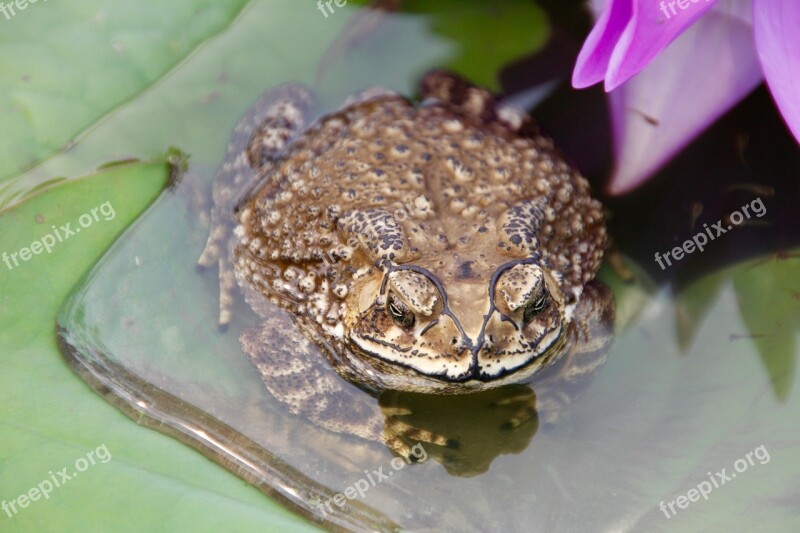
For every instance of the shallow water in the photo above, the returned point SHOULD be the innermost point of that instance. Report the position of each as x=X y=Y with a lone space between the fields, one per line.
x=693 y=383
x=651 y=424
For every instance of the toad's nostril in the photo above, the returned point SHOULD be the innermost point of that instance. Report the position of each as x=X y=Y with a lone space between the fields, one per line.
x=459 y=345
x=488 y=344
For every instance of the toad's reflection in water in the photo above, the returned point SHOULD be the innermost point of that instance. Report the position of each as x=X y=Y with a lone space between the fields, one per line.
x=479 y=427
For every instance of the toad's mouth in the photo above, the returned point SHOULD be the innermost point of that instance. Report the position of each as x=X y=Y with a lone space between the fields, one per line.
x=475 y=363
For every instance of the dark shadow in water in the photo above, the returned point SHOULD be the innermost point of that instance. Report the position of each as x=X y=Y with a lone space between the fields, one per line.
x=501 y=421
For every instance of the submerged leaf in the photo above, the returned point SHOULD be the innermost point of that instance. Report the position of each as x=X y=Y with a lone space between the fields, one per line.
x=691 y=307
x=769 y=301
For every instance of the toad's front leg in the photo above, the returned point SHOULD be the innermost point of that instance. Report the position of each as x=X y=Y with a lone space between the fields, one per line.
x=298 y=375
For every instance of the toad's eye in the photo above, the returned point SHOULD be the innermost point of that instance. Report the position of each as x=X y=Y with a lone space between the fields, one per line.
x=400 y=313
x=535 y=307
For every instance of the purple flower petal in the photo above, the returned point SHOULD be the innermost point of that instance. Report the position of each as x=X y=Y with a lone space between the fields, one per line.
x=652 y=27
x=594 y=57
x=777 y=33
x=688 y=86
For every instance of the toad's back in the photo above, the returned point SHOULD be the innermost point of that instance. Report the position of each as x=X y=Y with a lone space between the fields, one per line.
x=447 y=178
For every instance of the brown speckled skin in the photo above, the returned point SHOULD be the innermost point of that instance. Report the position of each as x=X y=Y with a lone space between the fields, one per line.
x=455 y=209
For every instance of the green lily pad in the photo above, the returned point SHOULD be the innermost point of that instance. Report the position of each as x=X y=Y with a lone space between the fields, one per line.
x=196 y=104
x=97 y=83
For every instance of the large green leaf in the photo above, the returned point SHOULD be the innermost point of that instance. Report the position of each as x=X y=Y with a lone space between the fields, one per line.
x=86 y=84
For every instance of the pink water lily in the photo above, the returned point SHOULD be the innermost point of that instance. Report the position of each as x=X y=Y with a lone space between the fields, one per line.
x=673 y=67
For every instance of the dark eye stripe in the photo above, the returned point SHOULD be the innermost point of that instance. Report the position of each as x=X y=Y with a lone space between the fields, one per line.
x=429 y=326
